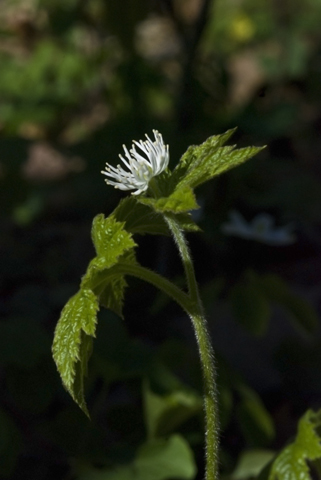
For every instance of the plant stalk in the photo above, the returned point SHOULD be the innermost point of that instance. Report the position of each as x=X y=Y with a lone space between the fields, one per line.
x=206 y=354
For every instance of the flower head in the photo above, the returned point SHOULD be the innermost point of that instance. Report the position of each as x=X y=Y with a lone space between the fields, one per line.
x=141 y=169
x=260 y=229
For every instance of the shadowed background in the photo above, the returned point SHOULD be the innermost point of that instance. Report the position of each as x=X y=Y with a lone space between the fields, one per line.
x=79 y=79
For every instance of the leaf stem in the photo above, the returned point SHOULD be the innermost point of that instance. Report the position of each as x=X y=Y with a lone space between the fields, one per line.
x=160 y=282
x=205 y=351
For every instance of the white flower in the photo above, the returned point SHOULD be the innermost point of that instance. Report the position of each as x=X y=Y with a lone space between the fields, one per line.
x=140 y=169
x=261 y=229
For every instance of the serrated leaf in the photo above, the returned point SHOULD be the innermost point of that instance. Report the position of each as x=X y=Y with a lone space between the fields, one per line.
x=155 y=460
x=190 y=159
x=291 y=463
x=72 y=343
x=112 y=243
x=301 y=311
x=109 y=289
x=181 y=200
x=203 y=162
x=112 y=296
x=250 y=307
x=110 y=240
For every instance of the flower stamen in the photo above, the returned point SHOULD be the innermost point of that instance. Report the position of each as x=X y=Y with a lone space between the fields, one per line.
x=141 y=169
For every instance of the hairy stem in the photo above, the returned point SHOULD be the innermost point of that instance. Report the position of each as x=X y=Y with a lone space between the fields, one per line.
x=147 y=275
x=205 y=351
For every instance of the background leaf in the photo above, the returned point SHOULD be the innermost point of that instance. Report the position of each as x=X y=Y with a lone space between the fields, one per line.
x=165 y=412
x=292 y=462
x=155 y=460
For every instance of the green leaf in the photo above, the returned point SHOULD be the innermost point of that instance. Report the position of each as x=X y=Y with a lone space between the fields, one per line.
x=251 y=463
x=140 y=218
x=255 y=421
x=155 y=460
x=110 y=239
x=302 y=312
x=164 y=413
x=109 y=289
x=72 y=342
x=112 y=296
x=203 y=162
x=112 y=243
x=189 y=160
x=250 y=307
x=180 y=200
x=291 y=463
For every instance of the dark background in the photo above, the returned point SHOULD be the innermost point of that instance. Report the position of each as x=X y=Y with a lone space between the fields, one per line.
x=79 y=79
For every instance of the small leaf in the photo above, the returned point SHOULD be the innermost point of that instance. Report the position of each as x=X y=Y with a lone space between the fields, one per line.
x=71 y=346
x=250 y=307
x=251 y=463
x=181 y=200
x=110 y=239
x=291 y=463
x=155 y=460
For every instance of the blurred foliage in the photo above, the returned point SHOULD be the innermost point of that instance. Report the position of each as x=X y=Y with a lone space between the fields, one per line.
x=79 y=79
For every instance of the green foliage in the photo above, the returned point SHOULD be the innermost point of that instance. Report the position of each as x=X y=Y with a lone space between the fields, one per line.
x=110 y=241
x=114 y=243
x=155 y=460
x=251 y=463
x=78 y=77
x=203 y=162
x=169 y=405
x=292 y=462
x=72 y=342
x=181 y=200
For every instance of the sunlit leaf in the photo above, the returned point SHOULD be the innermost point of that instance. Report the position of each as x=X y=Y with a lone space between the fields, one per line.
x=203 y=162
x=181 y=200
x=72 y=342
x=292 y=462
x=110 y=239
